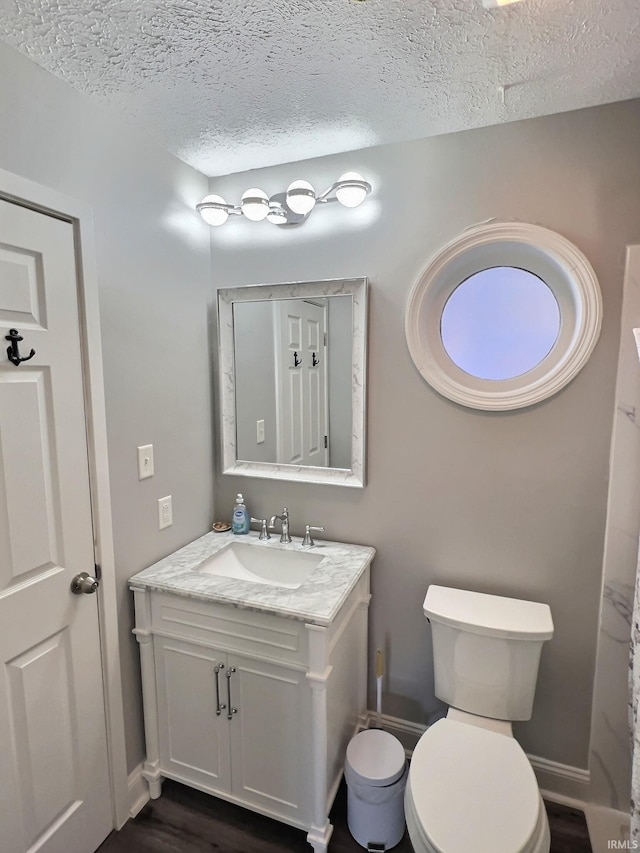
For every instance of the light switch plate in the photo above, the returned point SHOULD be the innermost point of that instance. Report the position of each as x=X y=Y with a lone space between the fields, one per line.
x=260 y=431
x=145 y=461
x=165 y=512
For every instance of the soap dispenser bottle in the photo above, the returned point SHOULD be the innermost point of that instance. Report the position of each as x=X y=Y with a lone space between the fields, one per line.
x=240 y=519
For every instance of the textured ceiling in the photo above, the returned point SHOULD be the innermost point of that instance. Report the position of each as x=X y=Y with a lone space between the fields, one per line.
x=229 y=86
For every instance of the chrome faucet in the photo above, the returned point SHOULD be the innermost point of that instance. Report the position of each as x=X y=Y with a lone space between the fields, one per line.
x=264 y=533
x=308 y=542
x=284 y=518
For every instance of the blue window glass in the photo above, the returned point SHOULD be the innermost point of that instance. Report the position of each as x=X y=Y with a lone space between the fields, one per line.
x=500 y=323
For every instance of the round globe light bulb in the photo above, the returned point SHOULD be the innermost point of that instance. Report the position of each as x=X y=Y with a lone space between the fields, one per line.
x=255 y=204
x=277 y=214
x=301 y=197
x=351 y=196
x=214 y=215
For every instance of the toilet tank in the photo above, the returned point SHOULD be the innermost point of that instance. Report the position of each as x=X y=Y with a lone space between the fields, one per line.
x=486 y=650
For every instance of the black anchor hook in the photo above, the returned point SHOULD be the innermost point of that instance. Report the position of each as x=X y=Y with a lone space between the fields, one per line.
x=12 y=350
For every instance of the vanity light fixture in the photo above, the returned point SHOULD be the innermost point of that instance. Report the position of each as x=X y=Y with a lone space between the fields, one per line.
x=289 y=208
x=494 y=4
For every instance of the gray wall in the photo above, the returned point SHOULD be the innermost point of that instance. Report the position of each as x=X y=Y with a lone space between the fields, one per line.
x=510 y=503
x=153 y=268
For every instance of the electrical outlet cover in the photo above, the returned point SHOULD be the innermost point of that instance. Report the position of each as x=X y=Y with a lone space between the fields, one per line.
x=165 y=512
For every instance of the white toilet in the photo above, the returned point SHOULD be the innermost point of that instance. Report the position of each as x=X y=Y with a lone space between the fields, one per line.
x=471 y=786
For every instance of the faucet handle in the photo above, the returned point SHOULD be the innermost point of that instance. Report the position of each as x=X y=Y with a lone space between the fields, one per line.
x=264 y=533
x=308 y=542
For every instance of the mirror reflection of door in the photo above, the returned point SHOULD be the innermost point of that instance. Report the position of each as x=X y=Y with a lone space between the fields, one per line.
x=284 y=411
x=301 y=381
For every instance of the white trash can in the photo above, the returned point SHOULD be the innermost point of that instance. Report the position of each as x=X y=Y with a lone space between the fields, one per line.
x=376 y=774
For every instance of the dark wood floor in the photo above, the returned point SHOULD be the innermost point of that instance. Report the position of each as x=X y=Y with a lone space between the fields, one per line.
x=187 y=821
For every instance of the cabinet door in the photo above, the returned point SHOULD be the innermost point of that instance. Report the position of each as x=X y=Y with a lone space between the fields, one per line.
x=270 y=739
x=194 y=740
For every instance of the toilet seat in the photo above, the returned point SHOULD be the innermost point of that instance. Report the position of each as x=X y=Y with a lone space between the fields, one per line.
x=470 y=788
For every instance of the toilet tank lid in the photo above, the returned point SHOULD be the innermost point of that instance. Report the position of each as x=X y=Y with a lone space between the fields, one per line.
x=491 y=615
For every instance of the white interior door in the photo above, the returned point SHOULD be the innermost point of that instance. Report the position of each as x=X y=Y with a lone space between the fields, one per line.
x=54 y=790
x=301 y=382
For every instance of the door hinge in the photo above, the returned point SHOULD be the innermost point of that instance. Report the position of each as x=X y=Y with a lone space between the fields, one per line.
x=97 y=572
x=325 y=338
x=326 y=442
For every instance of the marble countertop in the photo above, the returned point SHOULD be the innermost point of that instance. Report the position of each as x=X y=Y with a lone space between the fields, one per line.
x=317 y=600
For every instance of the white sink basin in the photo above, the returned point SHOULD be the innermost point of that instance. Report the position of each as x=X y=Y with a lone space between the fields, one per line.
x=261 y=564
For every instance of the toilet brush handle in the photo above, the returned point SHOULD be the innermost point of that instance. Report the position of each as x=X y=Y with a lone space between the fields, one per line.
x=379 y=677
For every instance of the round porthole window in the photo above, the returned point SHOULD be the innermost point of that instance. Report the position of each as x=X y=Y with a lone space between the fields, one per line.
x=504 y=316
x=500 y=323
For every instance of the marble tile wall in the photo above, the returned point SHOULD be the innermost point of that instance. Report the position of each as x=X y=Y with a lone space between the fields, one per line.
x=610 y=754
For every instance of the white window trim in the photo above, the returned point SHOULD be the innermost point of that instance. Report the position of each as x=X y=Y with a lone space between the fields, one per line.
x=551 y=257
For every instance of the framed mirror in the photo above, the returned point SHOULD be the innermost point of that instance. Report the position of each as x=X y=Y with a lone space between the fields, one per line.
x=293 y=380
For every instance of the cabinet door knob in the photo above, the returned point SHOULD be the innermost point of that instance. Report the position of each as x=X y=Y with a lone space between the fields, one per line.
x=219 y=707
x=231 y=709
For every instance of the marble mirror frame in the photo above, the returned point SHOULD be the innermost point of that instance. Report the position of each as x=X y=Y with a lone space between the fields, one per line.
x=227 y=296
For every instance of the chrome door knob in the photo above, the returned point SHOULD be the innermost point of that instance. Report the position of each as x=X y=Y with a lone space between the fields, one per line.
x=84 y=583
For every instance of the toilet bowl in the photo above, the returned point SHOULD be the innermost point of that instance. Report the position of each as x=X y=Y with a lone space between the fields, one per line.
x=473 y=789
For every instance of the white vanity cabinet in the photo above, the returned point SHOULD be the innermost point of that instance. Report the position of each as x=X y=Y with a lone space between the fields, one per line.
x=252 y=706
x=231 y=724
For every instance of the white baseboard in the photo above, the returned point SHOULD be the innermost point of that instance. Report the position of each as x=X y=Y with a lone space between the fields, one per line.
x=558 y=782
x=561 y=782
x=408 y=733
x=138 y=791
